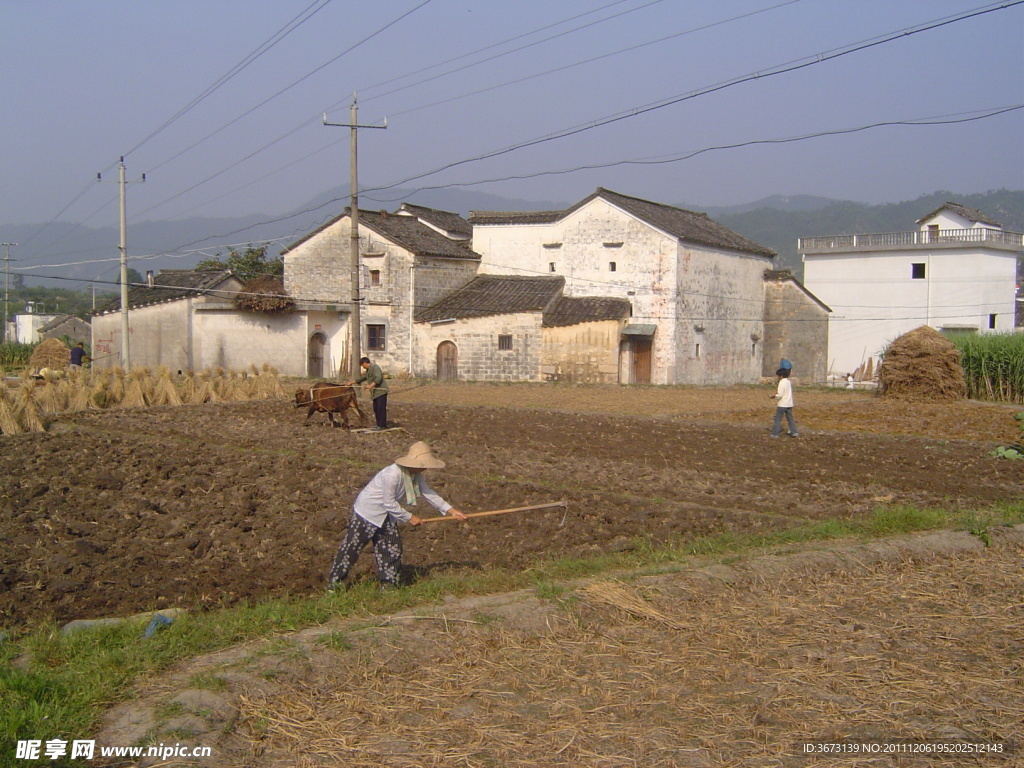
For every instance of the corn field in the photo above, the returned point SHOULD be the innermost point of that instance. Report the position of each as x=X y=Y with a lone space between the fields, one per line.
x=26 y=402
x=14 y=355
x=993 y=365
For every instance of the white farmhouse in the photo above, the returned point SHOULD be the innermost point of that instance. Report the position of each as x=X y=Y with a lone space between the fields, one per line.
x=696 y=288
x=955 y=272
x=407 y=260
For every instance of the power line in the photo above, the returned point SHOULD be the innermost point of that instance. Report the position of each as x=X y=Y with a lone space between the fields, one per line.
x=288 y=87
x=661 y=160
x=793 y=66
x=520 y=48
x=591 y=60
x=261 y=49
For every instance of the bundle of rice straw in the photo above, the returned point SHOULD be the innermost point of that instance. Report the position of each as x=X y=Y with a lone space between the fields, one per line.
x=117 y=385
x=8 y=422
x=187 y=387
x=51 y=395
x=164 y=392
x=51 y=353
x=27 y=410
x=134 y=393
x=206 y=392
x=100 y=394
x=271 y=383
x=80 y=397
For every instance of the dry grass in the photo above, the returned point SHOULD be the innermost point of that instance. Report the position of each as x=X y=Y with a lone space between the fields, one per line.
x=25 y=408
x=675 y=673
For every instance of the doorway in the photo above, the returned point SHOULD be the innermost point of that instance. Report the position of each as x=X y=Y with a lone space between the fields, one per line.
x=640 y=356
x=315 y=356
x=447 y=361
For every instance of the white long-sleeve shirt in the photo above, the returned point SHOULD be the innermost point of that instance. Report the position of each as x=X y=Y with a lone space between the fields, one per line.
x=784 y=394
x=381 y=497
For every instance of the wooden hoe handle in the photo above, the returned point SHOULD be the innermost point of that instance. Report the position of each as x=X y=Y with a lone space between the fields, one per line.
x=500 y=511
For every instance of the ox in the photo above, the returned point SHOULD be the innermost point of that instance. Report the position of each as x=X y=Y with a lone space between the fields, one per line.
x=325 y=397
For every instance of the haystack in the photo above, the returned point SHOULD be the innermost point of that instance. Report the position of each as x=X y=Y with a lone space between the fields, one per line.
x=922 y=365
x=52 y=354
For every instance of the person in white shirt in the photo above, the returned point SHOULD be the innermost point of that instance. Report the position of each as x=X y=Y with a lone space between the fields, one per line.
x=378 y=510
x=784 y=404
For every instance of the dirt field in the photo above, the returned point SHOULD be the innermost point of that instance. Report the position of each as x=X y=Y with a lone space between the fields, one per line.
x=110 y=513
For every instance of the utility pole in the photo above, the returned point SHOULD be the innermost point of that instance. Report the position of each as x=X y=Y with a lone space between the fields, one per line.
x=7 y=281
x=126 y=361
x=354 y=318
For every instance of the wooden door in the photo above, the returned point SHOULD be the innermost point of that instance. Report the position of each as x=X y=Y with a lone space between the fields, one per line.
x=641 y=349
x=447 y=361
x=315 y=364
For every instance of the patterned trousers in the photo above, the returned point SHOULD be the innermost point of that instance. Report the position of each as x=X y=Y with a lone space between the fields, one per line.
x=387 y=550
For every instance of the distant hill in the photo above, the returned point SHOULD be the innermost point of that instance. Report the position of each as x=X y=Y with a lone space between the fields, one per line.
x=776 y=222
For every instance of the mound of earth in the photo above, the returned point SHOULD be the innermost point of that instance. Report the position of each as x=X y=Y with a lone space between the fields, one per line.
x=923 y=365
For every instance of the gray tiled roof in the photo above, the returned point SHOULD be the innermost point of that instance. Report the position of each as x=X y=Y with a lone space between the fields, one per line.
x=514 y=217
x=568 y=310
x=487 y=295
x=170 y=285
x=971 y=214
x=451 y=223
x=688 y=226
x=405 y=231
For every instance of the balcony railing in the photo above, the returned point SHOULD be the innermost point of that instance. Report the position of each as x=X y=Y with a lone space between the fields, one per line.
x=889 y=240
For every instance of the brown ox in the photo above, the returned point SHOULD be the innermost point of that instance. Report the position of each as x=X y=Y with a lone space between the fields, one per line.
x=324 y=397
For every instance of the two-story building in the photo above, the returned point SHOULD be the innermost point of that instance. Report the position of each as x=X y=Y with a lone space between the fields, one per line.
x=955 y=272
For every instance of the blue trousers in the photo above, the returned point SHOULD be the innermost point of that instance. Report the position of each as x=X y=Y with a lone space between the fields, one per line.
x=777 y=426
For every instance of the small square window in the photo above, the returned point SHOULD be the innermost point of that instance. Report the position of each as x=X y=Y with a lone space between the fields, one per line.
x=551 y=266
x=375 y=337
x=611 y=266
x=917 y=271
x=992 y=322
x=374 y=277
x=505 y=342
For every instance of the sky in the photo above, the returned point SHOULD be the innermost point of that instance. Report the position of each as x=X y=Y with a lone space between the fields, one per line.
x=220 y=102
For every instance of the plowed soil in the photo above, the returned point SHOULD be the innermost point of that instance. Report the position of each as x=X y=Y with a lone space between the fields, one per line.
x=110 y=513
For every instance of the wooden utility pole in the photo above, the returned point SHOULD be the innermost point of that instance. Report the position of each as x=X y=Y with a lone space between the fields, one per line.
x=7 y=283
x=126 y=360
x=355 y=322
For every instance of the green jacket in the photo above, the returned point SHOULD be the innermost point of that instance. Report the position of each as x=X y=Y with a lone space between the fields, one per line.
x=375 y=376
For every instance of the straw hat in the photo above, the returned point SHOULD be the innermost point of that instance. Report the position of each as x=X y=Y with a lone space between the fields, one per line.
x=419 y=457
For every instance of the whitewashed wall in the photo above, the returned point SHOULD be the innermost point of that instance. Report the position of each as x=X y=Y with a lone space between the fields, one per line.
x=875 y=299
x=669 y=284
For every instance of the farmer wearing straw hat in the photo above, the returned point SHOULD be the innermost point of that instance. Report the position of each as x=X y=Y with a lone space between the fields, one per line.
x=378 y=511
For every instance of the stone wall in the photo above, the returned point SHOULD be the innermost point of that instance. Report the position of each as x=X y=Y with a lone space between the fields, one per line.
x=795 y=328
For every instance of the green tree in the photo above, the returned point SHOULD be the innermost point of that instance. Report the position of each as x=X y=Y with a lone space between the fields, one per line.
x=247 y=265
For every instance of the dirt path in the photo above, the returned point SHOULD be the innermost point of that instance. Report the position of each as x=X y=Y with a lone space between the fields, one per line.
x=118 y=512
x=889 y=646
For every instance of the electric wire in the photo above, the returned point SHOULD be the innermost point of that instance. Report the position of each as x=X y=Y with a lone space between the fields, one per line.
x=256 y=53
x=792 y=66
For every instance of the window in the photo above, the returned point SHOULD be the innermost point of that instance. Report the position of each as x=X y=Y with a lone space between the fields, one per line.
x=611 y=266
x=375 y=337
x=917 y=271
x=374 y=278
x=505 y=341
x=551 y=266
x=696 y=352
x=992 y=322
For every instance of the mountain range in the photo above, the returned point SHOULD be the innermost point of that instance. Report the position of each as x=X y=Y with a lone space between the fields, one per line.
x=86 y=254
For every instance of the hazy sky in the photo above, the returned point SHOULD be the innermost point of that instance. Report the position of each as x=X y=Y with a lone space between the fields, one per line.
x=178 y=88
